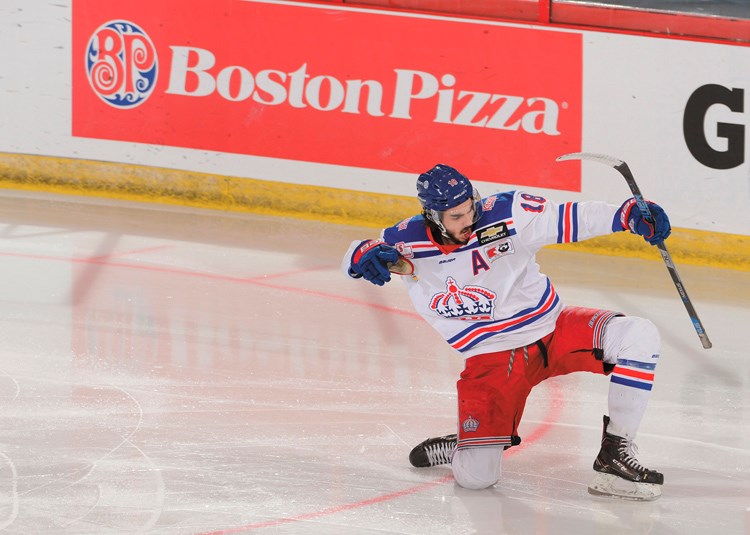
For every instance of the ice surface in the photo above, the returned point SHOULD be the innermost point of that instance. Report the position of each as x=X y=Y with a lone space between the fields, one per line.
x=175 y=371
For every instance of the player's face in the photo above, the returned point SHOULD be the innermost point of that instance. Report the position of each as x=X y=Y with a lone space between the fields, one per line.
x=459 y=221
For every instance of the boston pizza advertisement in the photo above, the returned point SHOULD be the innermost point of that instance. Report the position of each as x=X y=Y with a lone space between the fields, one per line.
x=357 y=88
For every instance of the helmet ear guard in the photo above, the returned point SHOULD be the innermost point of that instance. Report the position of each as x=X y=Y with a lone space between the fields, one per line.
x=434 y=217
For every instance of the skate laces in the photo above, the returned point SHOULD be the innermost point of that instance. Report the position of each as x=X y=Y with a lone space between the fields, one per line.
x=440 y=452
x=629 y=451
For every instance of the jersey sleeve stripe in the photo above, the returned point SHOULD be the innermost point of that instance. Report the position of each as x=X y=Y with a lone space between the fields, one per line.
x=567 y=223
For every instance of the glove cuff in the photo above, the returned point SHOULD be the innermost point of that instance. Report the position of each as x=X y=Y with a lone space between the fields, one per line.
x=622 y=216
x=363 y=247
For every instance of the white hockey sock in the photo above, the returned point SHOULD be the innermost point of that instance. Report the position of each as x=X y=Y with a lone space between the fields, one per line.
x=635 y=342
x=628 y=398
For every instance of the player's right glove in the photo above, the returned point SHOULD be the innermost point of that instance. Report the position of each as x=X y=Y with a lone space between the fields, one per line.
x=629 y=217
x=370 y=260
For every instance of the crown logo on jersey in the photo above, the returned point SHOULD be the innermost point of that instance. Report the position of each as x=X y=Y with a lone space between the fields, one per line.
x=472 y=303
x=470 y=425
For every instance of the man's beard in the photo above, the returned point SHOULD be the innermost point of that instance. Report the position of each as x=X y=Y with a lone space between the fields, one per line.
x=463 y=237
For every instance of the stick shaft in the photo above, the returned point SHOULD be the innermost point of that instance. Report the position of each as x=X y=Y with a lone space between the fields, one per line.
x=624 y=170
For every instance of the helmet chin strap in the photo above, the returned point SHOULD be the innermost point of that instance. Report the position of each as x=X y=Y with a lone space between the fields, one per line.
x=434 y=216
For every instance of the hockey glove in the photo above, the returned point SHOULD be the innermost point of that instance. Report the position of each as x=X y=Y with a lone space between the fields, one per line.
x=370 y=260
x=629 y=217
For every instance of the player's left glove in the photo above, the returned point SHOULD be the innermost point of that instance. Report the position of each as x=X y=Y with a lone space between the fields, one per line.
x=370 y=260
x=629 y=217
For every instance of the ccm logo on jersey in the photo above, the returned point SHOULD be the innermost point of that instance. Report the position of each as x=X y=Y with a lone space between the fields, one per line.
x=499 y=249
x=493 y=233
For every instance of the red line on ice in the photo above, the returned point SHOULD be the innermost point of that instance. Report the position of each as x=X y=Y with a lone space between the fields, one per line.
x=553 y=414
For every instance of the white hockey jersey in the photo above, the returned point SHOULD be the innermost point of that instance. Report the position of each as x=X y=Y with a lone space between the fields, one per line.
x=489 y=295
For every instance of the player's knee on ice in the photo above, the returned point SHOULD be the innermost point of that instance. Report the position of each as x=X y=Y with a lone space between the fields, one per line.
x=477 y=468
x=628 y=341
x=633 y=338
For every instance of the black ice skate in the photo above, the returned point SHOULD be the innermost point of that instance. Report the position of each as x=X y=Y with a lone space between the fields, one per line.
x=433 y=451
x=618 y=472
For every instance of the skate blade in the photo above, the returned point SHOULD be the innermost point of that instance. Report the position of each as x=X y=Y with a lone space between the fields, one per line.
x=613 y=486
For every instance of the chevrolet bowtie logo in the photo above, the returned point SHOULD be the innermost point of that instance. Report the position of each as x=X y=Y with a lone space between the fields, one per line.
x=493 y=231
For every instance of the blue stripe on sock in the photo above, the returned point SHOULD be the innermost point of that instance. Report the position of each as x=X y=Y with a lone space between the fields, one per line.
x=637 y=364
x=629 y=382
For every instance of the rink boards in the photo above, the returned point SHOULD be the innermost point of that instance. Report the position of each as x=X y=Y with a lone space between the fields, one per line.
x=329 y=111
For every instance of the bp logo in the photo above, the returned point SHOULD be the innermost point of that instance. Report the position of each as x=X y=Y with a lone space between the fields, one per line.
x=121 y=64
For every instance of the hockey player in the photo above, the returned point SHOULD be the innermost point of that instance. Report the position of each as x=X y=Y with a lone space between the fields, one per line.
x=475 y=279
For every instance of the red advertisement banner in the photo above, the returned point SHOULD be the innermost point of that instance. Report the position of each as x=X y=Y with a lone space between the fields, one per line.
x=324 y=84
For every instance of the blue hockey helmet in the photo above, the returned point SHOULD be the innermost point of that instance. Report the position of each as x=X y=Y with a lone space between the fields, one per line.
x=442 y=188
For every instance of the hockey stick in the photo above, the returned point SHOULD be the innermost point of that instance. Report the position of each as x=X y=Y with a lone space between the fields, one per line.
x=624 y=170
x=402 y=266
